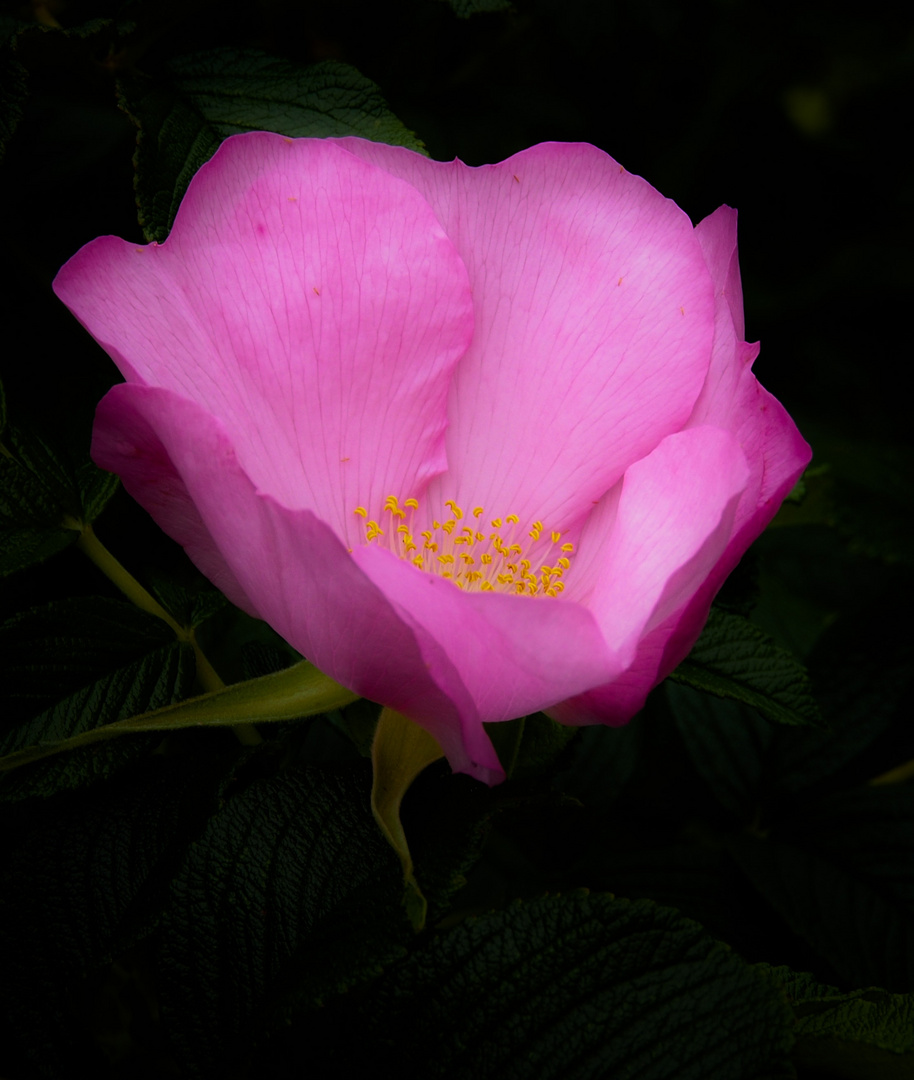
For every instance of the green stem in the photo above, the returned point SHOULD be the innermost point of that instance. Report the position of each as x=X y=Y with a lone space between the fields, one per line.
x=91 y=546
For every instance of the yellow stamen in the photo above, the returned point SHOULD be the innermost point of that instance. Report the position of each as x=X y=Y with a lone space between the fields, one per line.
x=469 y=557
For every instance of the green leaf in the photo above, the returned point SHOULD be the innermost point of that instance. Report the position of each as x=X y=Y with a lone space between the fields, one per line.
x=734 y=659
x=248 y=90
x=51 y=651
x=13 y=92
x=842 y=877
x=173 y=140
x=41 y=485
x=570 y=987
x=25 y=546
x=290 y=895
x=728 y=744
x=220 y=92
x=463 y=9
x=871 y=1015
x=85 y=663
x=189 y=602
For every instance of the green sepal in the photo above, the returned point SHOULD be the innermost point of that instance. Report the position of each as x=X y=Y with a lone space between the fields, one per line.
x=401 y=749
x=296 y=692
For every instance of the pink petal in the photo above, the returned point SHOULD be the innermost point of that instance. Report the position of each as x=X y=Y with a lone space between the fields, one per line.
x=124 y=441
x=776 y=455
x=311 y=301
x=286 y=566
x=671 y=527
x=515 y=654
x=594 y=319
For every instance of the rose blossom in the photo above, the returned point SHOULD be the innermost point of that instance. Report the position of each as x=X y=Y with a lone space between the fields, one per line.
x=476 y=441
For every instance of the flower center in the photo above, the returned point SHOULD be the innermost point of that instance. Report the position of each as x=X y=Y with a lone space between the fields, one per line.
x=475 y=553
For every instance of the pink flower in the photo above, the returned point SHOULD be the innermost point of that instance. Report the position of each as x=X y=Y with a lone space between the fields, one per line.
x=476 y=441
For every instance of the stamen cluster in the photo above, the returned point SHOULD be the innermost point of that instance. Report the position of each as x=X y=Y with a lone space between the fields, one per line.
x=498 y=555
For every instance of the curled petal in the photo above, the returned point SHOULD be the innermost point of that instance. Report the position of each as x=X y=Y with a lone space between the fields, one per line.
x=670 y=528
x=285 y=566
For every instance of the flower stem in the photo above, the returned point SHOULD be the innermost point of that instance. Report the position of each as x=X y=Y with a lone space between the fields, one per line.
x=90 y=545
x=94 y=549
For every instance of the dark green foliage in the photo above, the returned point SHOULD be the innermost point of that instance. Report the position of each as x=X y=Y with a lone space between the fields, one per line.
x=463 y=9
x=80 y=664
x=46 y=491
x=574 y=986
x=248 y=90
x=734 y=659
x=870 y=1016
x=173 y=141
x=224 y=91
x=289 y=896
x=13 y=90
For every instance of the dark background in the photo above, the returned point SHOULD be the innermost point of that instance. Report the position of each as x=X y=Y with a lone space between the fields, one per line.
x=796 y=115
